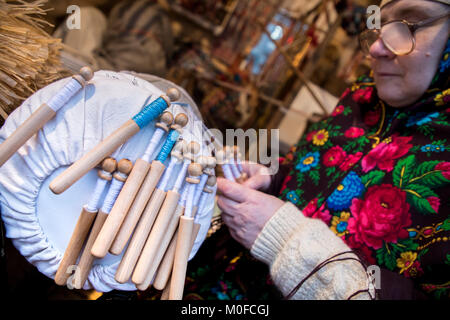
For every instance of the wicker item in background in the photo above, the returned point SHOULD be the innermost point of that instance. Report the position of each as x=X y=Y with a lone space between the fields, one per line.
x=29 y=57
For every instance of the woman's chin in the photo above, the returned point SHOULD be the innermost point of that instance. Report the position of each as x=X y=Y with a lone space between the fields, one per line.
x=394 y=96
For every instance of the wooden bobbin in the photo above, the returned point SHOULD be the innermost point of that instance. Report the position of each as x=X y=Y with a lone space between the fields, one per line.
x=140 y=183
x=237 y=156
x=210 y=183
x=128 y=262
x=172 y=94
x=183 y=247
x=148 y=211
x=231 y=159
x=177 y=150
x=194 y=170
x=124 y=168
x=35 y=122
x=162 y=247
x=166 y=290
x=120 y=209
x=165 y=121
x=154 y=242
x=159 y=230
x=223 y=162
x=203 y=161
x=142 y=199
x=181 y=120
x=87 y=73
x=210 y=166
x=80 y=232
x=191 y=150
x=109 y=145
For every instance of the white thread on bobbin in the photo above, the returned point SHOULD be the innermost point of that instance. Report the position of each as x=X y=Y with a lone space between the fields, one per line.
x=208 y=190
x=199 y=188
x=168 y=173
x=234 y=169
x=194 y=173
x=239 y=162
x=183 y=196
x=190 y=200
x=201 y=206
x=113 y=193
x=156 y=138
x=181 y=175
x=223 y=161
x=230 y=159
x=94 y=200
x=227 y=172
x=64 y=94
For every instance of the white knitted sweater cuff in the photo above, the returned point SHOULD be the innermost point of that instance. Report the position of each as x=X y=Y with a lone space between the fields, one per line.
x=293 y=245
x=277 y=232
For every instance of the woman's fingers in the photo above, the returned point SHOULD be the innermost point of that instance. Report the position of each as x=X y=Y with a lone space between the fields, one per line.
x=233 y=190
x=227 y=205
x=259 y=176
x=258 y=182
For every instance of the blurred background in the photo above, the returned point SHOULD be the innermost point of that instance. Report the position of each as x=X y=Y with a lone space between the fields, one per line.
x=261 y=64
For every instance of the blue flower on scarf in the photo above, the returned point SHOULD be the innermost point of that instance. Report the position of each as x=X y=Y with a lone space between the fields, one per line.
x=432 y=148
x=445 y=62
x=351 y=187
x=421 y=118
x=308 y=162
x=292 y=197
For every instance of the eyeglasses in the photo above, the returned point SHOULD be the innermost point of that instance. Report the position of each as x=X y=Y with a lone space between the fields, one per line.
x=398 y=36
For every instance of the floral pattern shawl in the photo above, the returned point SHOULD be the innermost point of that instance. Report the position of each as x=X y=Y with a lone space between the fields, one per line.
x=381 y=180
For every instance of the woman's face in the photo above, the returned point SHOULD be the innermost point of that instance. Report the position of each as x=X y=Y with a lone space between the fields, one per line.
x=402 y=80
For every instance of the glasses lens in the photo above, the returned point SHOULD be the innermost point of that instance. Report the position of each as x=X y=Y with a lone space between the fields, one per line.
x=397 y=37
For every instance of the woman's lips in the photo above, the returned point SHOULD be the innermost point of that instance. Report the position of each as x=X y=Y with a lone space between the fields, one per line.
x=386 y=74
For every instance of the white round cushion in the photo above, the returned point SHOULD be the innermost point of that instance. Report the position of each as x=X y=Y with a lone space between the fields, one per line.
x=39 y=222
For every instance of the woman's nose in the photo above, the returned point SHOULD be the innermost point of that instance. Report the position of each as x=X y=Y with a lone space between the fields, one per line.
x=379 y=50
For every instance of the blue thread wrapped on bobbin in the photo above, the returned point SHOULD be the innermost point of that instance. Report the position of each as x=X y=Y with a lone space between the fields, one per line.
x=154 y=109
x=168 y=145
x=150 y=112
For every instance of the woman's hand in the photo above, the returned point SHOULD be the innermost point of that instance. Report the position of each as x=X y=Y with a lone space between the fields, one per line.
x=245 y=210
x=258 y=176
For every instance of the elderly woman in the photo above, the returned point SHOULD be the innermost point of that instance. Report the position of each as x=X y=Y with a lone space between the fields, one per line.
x=369 y=186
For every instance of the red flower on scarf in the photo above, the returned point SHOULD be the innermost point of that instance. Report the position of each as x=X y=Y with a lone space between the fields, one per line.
x=372 y=117
x=444 y=167
x=334 y=156
x=310 y=135
x=382 y=215
x=312 y=211
x=413 y=271
x=435 y=203
x=385 y=154
x=360 y=248
x=285 y=182
x=338 y=110
x=345 y=93
x=350 y=161
x=363 y=95
x=354 y=132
